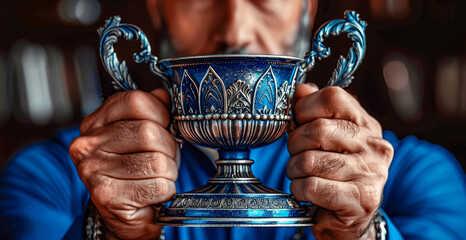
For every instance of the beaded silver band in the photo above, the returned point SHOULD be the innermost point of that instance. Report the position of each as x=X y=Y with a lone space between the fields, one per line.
x=380 y=225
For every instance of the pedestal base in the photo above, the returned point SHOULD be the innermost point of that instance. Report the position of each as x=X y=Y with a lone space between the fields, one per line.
x=234 y=198
x=234 y=210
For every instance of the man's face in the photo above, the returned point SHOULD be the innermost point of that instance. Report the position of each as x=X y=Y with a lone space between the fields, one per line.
x=201 y=27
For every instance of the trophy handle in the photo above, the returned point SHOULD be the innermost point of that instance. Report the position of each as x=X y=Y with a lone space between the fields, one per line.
x=109 y=35
x=122 y=80
x=355 y=28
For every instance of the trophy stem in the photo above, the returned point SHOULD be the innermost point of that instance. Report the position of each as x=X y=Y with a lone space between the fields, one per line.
x=234 y=171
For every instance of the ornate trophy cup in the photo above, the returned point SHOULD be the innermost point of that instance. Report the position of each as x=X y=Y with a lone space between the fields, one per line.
x=233 y=103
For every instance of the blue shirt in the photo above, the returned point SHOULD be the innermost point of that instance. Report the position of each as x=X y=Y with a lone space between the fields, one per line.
x=42 y=197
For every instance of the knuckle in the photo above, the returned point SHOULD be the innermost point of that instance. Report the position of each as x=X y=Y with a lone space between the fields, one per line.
x=79 y=149
x=147 y=131
x=320 y=124
x=331 y=96
x=326 y=127
x=135 y=100
x=383 y=148
x=386 y=150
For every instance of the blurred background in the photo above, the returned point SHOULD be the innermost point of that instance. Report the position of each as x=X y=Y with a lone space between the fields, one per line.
x=413 y=79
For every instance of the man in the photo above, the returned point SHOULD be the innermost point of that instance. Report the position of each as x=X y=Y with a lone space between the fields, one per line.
x=338 y=158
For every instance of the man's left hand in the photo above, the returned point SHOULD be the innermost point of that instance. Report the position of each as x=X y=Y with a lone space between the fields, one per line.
x=339 y=161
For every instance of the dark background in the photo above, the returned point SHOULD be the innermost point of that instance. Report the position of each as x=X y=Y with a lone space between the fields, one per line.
x=425 y=36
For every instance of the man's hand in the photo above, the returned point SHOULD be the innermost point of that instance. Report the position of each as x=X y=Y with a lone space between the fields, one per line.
x=339 y=161
x=125 y=157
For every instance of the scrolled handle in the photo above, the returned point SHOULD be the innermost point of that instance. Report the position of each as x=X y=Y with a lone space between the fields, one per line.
x=355 y=28
x=109 y=35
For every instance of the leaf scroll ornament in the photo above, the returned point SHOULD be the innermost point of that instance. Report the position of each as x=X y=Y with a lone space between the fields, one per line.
x=109 y=34
x=354 y=27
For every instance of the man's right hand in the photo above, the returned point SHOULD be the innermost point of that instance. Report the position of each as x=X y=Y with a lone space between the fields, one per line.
x=125 y=157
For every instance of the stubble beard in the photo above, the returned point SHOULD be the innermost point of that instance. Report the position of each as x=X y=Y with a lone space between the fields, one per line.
x=299 y=47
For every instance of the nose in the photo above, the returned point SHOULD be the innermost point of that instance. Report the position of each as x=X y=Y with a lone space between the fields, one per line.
x=238 y=27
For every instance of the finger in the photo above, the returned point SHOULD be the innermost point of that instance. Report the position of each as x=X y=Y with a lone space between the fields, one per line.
x=303 y=90
x=143 y=165
x=328 y=165
x=329 y=194
x=327 y=220
x=162 y=95
x=327 y=134
x=83 y=147
x=330 y=225
x=137 y=136
x=130 y=194
x=330 y=102
x=137 y=224
x=382 y=147
x=129 y=105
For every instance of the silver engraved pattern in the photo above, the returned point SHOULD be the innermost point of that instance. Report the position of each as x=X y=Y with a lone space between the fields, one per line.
x=214 y=98
x=233 y=203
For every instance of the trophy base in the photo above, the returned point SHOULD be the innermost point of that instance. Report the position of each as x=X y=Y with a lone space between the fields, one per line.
x=234 y=205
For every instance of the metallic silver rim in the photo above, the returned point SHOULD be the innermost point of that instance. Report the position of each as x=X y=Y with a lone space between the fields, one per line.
x=232 y=56
x=235 y=222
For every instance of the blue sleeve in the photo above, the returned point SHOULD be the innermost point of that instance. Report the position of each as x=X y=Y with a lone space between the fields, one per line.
x=393 y=233
x=425 y=194
x=41 y=195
